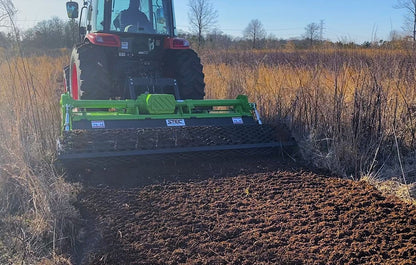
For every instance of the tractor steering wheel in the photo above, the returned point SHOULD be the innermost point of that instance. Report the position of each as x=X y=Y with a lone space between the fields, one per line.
x=131 y=28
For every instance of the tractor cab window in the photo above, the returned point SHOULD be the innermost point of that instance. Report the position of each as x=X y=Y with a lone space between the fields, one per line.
x=98 y=18
x=140 y=16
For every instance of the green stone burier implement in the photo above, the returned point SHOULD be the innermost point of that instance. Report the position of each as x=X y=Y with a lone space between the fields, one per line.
x=105 y=131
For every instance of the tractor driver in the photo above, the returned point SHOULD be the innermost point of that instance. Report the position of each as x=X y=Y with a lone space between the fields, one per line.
x=132 y=19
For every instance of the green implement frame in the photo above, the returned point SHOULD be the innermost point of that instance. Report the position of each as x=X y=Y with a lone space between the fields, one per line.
x=157 y=126
x=153 y=107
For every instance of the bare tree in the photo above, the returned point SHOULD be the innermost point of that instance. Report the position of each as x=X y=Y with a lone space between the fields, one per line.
x=254 y=31
x=312 y=32
x=395 y=35
x=47 y=34
x=7 y=11
x=217 y=39
x=410 y=6
x=202 y=17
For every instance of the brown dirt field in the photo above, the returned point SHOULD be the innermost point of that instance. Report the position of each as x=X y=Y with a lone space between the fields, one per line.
x=286 y=216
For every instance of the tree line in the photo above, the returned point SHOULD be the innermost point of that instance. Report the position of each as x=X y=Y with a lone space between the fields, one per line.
x=57 y=33
x=54 y=33
x=203 y=18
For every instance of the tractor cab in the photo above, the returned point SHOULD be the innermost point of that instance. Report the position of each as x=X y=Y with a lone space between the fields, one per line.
x=124 y=16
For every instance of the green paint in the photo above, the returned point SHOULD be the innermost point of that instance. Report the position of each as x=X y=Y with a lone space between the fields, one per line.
x=152 y=106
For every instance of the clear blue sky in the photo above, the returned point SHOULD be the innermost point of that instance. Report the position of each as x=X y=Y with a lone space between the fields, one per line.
x=346 y=20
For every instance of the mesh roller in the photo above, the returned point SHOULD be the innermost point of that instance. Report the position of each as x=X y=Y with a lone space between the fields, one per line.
x=126 y=145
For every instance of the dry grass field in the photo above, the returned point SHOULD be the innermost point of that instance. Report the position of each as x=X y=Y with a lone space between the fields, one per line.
x=35 y=202
x=352 y=112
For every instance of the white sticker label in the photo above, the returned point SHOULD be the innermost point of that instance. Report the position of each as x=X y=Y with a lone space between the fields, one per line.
x=124 y=45
x=175 y=122
x=238 y=120
x=97 y=124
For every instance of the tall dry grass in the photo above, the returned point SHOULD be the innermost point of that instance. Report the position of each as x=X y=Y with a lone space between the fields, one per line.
x=36 y=215
x=352 y=111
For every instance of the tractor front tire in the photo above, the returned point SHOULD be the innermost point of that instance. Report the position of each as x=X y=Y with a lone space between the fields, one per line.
x=89 y=73
x=185 y=66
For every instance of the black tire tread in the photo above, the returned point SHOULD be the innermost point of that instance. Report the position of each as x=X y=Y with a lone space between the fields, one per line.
x=93 y=72
x=188 y=71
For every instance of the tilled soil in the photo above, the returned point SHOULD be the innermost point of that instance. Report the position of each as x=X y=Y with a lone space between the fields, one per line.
x=274 y=217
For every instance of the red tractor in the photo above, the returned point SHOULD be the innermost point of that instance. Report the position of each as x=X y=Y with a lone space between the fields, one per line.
x=129 y=47
x=129 y=53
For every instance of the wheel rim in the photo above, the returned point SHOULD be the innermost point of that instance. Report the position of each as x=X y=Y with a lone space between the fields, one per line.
x=74 y=82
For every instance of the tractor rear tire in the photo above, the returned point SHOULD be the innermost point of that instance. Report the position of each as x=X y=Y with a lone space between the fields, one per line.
x=185 y=66
x=90 y=76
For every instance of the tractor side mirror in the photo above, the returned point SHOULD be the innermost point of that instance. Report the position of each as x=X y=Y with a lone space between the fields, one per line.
x=160 y=16
x=72 y=9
